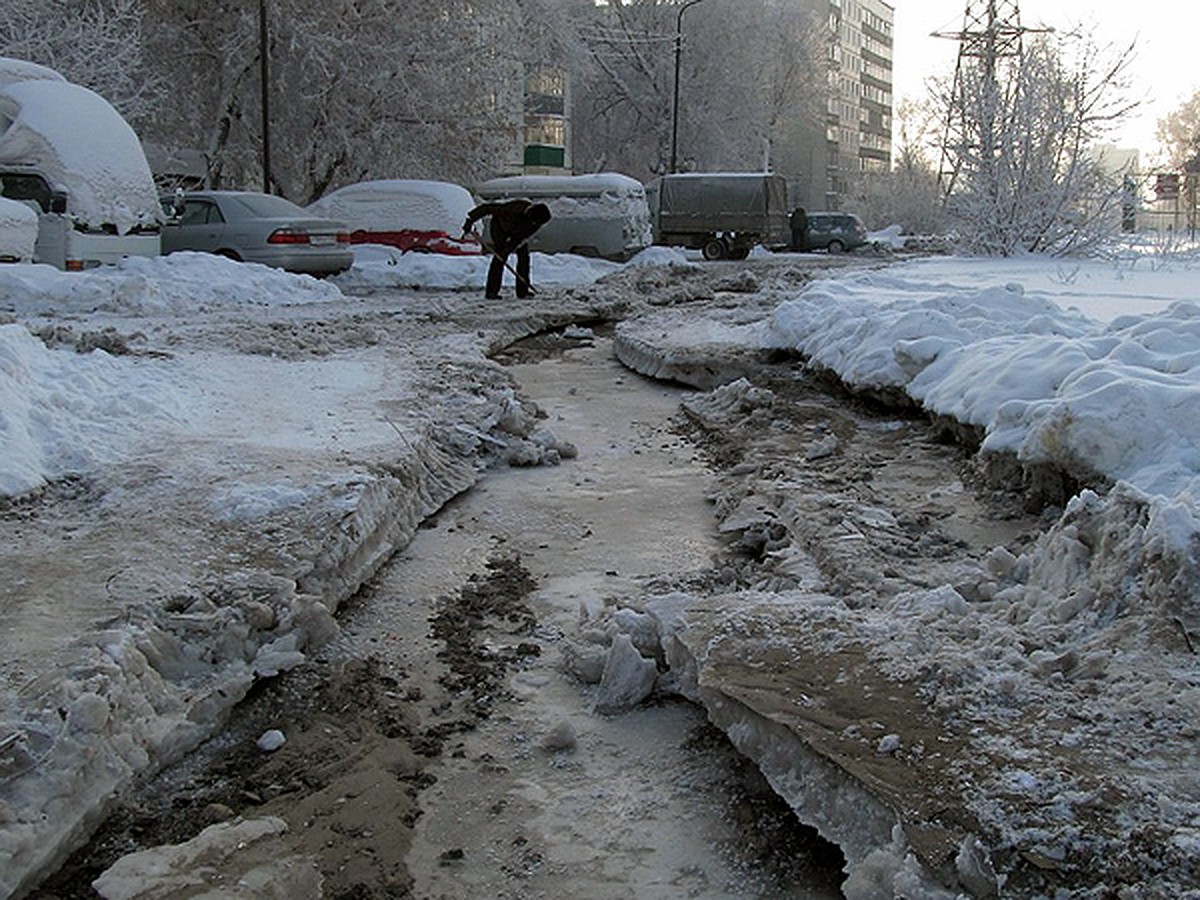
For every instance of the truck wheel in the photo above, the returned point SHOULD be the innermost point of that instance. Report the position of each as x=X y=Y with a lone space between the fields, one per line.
x=739 y=252
x=715 y=248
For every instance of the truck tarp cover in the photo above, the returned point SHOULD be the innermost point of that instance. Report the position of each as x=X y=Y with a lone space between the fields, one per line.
x=722 y=202
x=708 y=194
x=77 y=141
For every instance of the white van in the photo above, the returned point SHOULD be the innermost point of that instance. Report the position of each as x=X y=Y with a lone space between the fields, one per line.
x=603 y=215
x=70 y=157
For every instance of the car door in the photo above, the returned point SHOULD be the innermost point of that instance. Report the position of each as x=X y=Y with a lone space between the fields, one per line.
x=817 y=235
x=200 y=226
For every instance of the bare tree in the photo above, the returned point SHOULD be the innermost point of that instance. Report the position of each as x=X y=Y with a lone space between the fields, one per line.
x=1028 y=181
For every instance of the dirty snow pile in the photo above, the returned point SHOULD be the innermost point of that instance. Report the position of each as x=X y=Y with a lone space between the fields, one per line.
x=65 y=412
x=1032 y=367
x=1087 y=639
x=378 y=266
x=268 y=450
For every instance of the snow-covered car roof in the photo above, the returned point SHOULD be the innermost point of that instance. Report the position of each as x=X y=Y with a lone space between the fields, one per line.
x=43 y=124
x=12 y=70
x=18 y=230
x=559 y=185
x=388 y=204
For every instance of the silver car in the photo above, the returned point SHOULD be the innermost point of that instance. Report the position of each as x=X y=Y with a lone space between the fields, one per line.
x=255 y=227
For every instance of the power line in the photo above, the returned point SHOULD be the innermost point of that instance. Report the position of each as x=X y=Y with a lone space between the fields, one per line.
x=991 y=32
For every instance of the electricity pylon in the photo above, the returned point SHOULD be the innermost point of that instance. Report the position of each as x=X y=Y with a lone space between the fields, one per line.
x=991 y=32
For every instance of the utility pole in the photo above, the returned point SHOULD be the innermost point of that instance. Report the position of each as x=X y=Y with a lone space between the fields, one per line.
x=991 y=32
x=265 y=78
x=675 y=103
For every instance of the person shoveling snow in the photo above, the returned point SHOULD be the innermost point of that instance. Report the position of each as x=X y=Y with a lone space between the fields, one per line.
x=514 y=222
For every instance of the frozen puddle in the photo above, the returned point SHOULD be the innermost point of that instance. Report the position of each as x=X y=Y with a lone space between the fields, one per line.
x=545 y=797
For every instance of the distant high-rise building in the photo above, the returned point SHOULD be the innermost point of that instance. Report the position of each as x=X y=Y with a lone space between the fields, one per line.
x=856 y=135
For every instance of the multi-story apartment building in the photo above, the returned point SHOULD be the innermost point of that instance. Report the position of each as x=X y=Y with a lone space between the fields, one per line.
x=824 y=157
x=547 y=123
x=820 y=153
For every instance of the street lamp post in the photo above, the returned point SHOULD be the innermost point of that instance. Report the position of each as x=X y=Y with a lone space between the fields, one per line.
x=675 y=103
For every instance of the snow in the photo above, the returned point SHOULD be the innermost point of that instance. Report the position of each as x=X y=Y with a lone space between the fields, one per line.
x=1062 y=370
x=380 y=266
x=107 y=176
x=22 y=70
x=394 y=204
x=1091 y=365
x=562 y=185
x=18 y=230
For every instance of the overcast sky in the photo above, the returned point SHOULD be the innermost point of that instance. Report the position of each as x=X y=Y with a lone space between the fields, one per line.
x=1163 y=71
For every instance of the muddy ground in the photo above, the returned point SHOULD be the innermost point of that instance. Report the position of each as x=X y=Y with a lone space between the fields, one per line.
x=437 y=748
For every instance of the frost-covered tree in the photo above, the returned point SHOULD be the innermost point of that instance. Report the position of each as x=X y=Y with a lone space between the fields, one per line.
x=96 y=43
x=1027 y=180
x=357 y=88
x=1179 y=133
x=622 y=86
x=907 y=195
x=766 y=69
x=751 y=71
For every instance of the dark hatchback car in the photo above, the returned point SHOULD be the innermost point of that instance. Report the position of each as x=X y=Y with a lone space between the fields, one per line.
x=833 y=231
x=255 y=227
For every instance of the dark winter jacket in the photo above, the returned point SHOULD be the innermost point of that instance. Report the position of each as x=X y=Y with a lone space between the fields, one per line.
x=513 y=222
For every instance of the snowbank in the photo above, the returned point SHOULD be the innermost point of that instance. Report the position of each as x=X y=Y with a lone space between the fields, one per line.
x=1048 y=384
x=379 y=266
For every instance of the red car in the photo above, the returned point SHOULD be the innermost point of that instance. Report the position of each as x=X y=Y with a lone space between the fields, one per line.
x=418 y=216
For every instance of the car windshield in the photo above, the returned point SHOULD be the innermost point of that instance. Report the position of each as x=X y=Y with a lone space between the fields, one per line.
x=267 y=206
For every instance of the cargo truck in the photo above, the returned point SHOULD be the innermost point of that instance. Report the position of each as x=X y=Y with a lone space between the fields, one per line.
x=722 y=214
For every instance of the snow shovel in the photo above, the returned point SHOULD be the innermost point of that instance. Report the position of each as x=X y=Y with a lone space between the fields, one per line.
x=504 y=262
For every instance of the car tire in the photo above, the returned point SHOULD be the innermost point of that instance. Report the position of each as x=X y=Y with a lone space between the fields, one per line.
x=715 y=248
x=836 y=247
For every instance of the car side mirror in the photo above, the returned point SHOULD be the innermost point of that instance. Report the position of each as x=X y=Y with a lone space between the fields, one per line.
x=58 y=202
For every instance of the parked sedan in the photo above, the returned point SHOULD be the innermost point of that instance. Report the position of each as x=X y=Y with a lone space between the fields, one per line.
x=255 y=227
